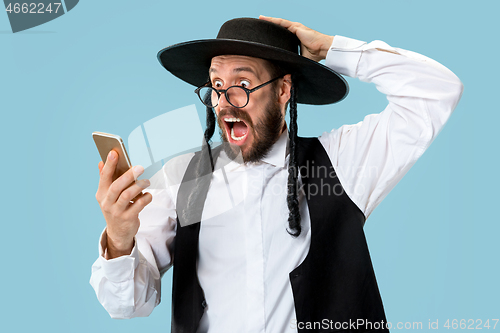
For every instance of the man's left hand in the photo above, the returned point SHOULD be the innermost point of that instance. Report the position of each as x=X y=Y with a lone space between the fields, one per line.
x=313 y=45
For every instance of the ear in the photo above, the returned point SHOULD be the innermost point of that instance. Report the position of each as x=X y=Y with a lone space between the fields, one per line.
x=285 y=89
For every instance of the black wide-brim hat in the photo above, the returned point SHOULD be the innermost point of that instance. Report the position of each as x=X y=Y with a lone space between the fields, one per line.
x=316 y=84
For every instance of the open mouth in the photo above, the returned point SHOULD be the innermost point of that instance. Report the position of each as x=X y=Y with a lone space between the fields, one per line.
x=236 y=129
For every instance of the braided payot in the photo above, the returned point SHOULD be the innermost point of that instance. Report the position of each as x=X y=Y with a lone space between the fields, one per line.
x=292 y=196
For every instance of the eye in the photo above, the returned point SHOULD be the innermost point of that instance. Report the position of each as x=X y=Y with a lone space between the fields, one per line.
x=217 y=84
x=245 y=83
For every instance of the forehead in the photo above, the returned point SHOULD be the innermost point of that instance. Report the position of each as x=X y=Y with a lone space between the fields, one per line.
x=227 y=64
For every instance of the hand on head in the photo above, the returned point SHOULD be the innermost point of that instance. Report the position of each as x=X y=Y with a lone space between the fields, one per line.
x=313 y=45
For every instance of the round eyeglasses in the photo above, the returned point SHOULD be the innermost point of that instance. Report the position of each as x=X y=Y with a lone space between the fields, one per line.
x=237 y=96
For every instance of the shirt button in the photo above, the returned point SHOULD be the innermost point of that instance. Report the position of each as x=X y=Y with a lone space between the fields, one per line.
x=204 y=304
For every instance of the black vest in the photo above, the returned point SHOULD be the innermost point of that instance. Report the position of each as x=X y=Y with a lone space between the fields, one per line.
x=334 y=286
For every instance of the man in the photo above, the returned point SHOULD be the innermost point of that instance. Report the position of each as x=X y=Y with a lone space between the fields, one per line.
x=283 y=249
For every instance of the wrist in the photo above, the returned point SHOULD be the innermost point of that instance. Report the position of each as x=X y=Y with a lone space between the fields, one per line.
x=325 y=46
x=118 y=247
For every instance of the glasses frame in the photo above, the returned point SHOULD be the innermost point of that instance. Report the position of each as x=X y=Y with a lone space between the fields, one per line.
x=220 y=91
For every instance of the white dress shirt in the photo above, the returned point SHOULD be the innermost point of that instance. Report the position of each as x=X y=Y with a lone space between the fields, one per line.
x=245 y=252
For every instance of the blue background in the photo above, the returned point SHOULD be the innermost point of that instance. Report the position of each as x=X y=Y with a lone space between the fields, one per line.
x=434 y=240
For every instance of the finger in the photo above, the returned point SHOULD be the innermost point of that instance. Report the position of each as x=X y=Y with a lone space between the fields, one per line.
x=106 y=176
x=131 y=193
x=284 y=23
x=292 y=26
x=122 y=182
x=100 y=166
x=137 y=197
x=140 y=203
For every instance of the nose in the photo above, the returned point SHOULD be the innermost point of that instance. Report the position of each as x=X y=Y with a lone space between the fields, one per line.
x=223 y=101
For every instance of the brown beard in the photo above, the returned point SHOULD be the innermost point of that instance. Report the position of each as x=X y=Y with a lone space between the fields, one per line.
x=265 y=132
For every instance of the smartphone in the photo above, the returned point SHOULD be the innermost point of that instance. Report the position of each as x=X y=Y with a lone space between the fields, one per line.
x=106 y=142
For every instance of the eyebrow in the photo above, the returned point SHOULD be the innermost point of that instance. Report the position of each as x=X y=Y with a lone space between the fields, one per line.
x=237 y=70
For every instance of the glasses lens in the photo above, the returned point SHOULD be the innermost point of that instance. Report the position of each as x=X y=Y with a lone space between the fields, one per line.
x=208 y=96
x=237 y=96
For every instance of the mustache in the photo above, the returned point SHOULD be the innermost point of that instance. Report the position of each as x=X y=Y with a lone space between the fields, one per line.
x=236 y=113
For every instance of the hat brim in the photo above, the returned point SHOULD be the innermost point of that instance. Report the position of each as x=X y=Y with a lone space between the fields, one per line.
x=316 y=83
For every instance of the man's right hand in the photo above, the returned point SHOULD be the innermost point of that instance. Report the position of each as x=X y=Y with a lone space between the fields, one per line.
x=114 y=197
x=313 y=44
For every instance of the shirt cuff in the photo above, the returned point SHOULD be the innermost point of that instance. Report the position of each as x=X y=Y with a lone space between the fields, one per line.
x=121 y=268
x=344 y=54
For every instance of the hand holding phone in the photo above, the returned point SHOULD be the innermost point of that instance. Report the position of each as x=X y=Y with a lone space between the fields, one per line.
x=106 y=142
x=119 y=194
